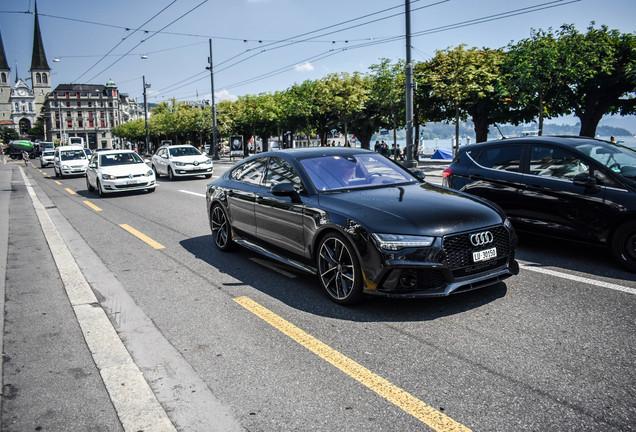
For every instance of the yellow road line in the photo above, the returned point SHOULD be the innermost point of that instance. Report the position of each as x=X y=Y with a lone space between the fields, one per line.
x=402 y=399
x=58 y=182
x=91 y=205
x=142 y=237
x=71 y=191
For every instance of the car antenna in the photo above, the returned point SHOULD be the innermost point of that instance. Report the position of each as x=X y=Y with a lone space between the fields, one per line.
x=500 y=133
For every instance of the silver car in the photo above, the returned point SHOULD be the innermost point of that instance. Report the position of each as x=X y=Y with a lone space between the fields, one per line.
x=46 y=157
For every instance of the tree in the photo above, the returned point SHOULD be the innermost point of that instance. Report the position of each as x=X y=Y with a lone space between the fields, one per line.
x=467 y=78
x=343 y=95
x=604 y=76
x=387 y=89
x=9 y=134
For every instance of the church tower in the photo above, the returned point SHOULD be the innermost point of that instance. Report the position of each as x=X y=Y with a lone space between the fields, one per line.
x=40 y=70
x=5 y=86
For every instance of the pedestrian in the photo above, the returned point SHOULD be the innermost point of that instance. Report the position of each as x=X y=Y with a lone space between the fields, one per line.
x=4 y=157
x=612 y=139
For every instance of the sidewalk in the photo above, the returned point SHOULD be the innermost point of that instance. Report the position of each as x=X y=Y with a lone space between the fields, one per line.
x=50 y=381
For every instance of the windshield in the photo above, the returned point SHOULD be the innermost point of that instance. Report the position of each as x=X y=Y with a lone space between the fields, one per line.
x=49 y=153
x=329 y=173
x=619 y=159
x=120 y=159
x=72 y=155
x=184 y=151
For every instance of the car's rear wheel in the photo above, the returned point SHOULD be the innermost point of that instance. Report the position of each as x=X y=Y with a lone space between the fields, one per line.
x=624 y=245
x=221 y=228
x=339 y=269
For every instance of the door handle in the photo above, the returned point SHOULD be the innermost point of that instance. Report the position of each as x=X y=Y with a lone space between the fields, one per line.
x=259 y=199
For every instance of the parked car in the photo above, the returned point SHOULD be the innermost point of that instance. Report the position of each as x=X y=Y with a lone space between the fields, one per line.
x=46 y=157
x=118 y=171
x=69 y=160
x=568 y=187
x=181 y=161
x=361 y=222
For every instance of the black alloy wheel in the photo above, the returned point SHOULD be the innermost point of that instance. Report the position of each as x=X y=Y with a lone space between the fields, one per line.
x=624 y=245
x=339 y=270
x=221 y=229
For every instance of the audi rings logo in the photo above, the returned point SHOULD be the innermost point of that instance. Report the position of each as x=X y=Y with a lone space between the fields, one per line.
x=482 y=238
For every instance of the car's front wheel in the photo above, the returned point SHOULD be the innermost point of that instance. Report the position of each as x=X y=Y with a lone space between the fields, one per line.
x=339 y=269
x=170 y=173
x=100 y=189
x=154 y=168
x=221 y=228
x=88 y=185
x=624 y=245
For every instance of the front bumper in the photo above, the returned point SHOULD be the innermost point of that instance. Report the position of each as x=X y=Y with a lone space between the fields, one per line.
x=191 y=170
x=121 y=185
x=73 y=170
x=444 y=268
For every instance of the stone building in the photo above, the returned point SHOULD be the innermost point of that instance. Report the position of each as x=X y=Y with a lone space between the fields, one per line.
x=89 y=111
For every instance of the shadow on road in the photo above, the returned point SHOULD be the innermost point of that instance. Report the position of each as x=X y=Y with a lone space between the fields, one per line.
x=303 y=291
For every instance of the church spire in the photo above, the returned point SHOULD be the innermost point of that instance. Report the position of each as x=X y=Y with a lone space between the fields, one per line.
x=38 y=60
x=3 y=58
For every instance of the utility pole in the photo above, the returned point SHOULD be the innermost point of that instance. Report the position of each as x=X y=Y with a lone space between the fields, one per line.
x=409 y=163
x=214 y=146
x=146 y=86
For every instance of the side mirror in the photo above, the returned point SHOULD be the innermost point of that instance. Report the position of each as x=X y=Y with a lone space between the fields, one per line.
x=285 y=190
x=587 y=181
x=419 y=174
x=92 y=165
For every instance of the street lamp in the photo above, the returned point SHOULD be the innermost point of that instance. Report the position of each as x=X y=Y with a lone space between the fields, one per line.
x=146 y=86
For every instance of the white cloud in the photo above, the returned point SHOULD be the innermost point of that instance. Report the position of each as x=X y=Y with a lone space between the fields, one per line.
x=305 y=67
x=224 y=95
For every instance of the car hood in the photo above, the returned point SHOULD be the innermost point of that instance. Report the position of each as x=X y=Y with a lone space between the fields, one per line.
x=123 y=170
x=418 y=209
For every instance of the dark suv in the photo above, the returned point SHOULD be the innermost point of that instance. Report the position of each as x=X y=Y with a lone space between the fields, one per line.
x=571 y=187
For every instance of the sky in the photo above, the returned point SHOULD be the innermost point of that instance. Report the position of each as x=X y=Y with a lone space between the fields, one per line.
x=263 y=46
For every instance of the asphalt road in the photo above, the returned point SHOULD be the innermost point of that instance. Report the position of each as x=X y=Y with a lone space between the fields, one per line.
x=231 y=341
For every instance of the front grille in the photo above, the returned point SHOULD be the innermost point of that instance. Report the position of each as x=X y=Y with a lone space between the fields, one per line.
x=131 y=186
x=128 y=176
x=459 y=251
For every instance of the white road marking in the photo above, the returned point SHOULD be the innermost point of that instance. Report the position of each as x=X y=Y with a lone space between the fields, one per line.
x=589 y=281
x=192 y=193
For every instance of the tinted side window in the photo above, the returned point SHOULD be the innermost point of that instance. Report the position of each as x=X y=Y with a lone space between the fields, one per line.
x=280 y=171
x=250 y=172
x=554 y=162
x=505 y=158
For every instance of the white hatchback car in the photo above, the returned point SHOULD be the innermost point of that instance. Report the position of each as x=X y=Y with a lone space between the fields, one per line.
x=46 y=157
x=69 y=160
x=118 y=171
x=181 y=161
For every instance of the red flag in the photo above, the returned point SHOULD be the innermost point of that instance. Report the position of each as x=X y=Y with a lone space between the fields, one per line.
x=197 y=92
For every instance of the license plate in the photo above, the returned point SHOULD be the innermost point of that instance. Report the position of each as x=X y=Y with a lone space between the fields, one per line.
x=485 y=255
x=131 y=182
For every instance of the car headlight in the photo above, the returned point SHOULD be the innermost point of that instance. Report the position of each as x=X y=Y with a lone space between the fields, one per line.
x=66 y=167
x=398 y=241
x=208 y=161
x=179 y=164
x=508 y=223
x=108 y=177
x=149 y=173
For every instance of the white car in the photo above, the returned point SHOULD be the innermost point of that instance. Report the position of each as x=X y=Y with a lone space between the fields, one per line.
x=69 y=160
x=118 y=171
x=181 y=161
x=46 y=157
